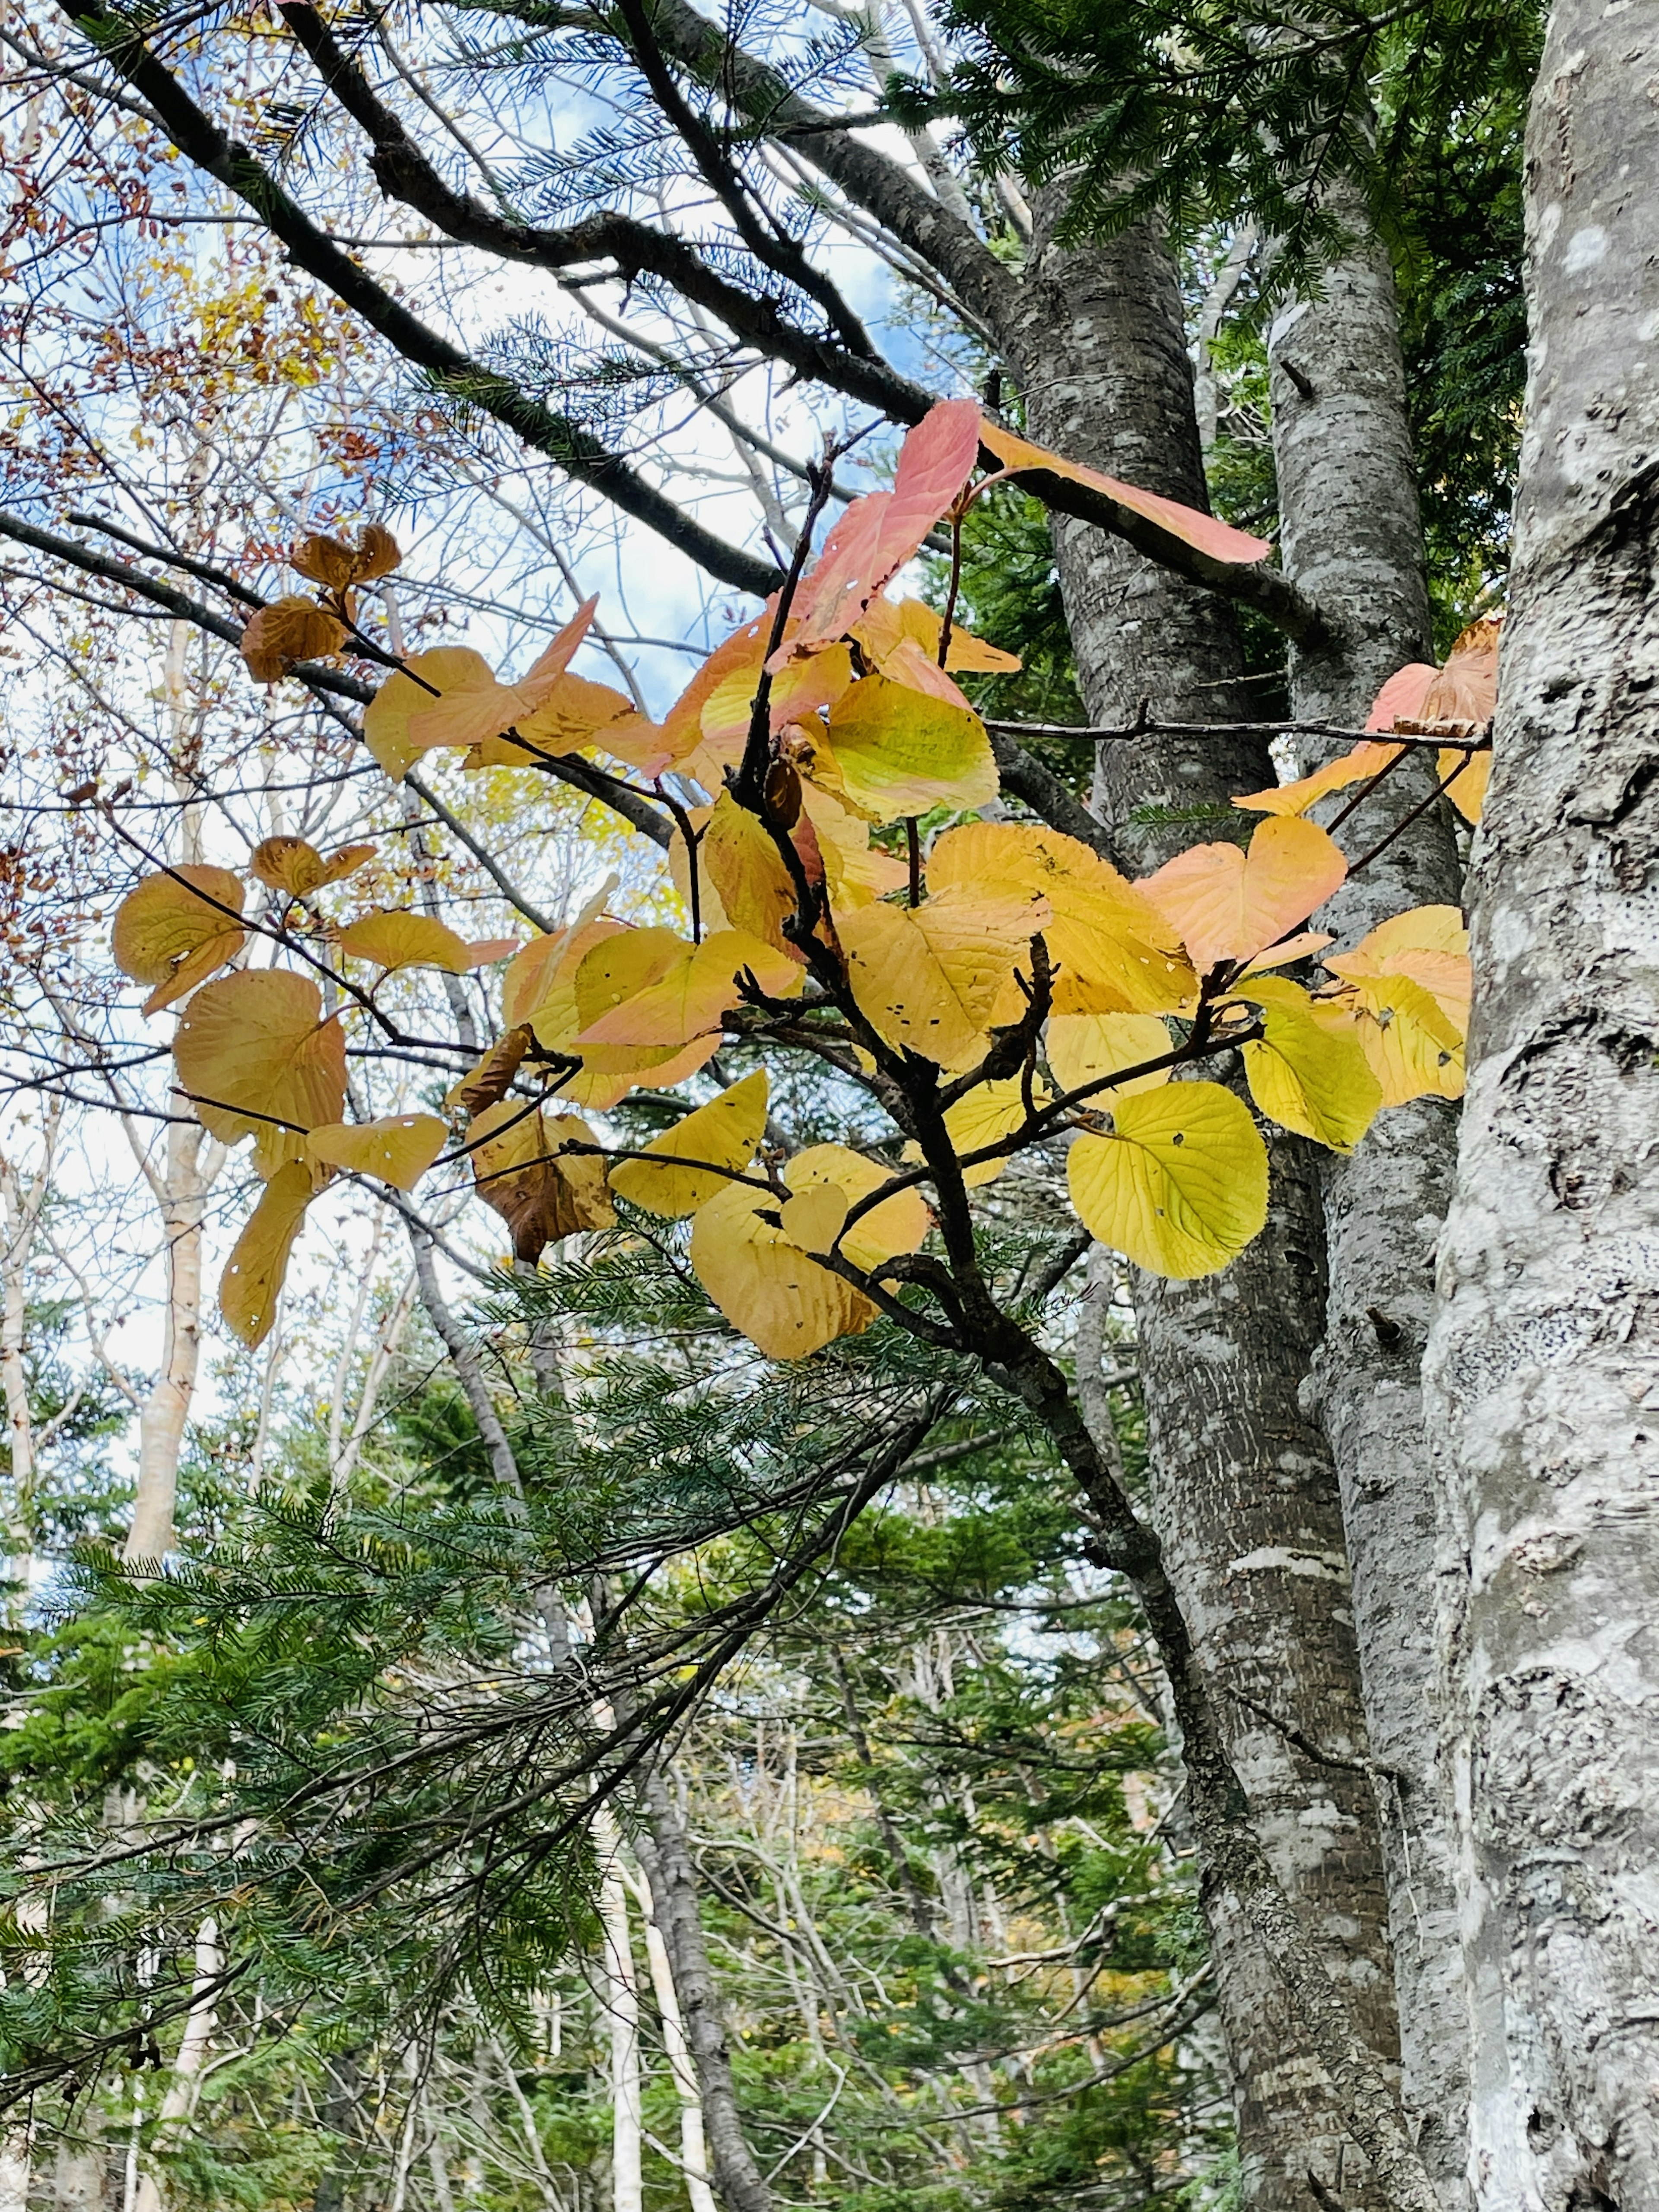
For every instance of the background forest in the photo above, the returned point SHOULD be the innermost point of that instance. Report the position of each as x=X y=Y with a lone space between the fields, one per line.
x=570 y=1760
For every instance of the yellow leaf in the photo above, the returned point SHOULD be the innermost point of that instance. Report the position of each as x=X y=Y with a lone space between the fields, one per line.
x=252 y=1280
x=405 y=940
x=1366 y=759
x=1181 y=1187
x=539 y=992
x=989 y=1112
x=1082 y=1047
x=1114 y=951
x=290 y=628
x=1415 y=1049
x=710 y=911
x=257 y=1059
x=443 y=670
x=898 y=1225
x=797 y=694
x=725 y=1133
x=399 y=1148
x=855 y=871
x=477 y=706
x=576 y=712
x=650 y=988
x=893 y=751
x=928 y=978
x=542 y=1192
x=173 y=930
x=812 y=1218
x=1468 y=789
x=1428 y=944
x=1289 y=950
x=290 y=865
x=741 y=861
x=887 y=623
x=784 y=1303
x=1306 y=1075
x=1229 y=905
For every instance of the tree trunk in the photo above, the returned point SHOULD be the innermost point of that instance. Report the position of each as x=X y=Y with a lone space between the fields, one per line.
x=665 y=1855
x=1351 y=536
x=1243 y=1488
x=182 y=1194
x=694 y=2146
x=1541 y=1372
x=621 y=2012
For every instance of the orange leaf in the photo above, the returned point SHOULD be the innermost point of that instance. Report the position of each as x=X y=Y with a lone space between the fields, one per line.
x=1228 y=904
x=879 y=534
x=887 y=624
x=1364 y=760
x=290 y=865
x=542 y=1192
x=257 y=1059
x=289 y=629
x=1220 y=540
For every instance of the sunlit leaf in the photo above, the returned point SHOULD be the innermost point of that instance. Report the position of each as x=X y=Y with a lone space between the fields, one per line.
x=898 y=1225
x=256 y=1058
x=784 y=1303
x=1428 y=944
x=877 y=534
x=1083 y=1048
x=442 y=670
x=1466 y=776
x=1218 y=539
x=1415 y=1048
x=725 y=1133
x=576 y=712
x=1181 y=1187
x=741 y=862
x=649 y=987
x=894 y=752
x=1114 y=951
x=1229 y=905
x=406 y=940
x=928 y=978
x=174 y=929
x=399 y=1148
x=1355 y=767
x=856 y=871
x=1306 y=1075
x=332 y=562
x=252 y=1280
x=889 y=624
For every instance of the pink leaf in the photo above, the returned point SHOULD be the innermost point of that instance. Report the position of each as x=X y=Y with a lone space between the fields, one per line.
x=1218 y=539
x=1402 y=695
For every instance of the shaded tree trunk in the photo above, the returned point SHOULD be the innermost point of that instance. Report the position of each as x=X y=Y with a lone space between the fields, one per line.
x=665 y=1855
x=1243 y=1488
x=1541 y=1365
x=1351 y=534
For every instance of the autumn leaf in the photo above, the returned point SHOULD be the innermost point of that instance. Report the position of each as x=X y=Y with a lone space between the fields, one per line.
x=1455 y=701
x=725 y=1133
x=492 y=1079
x=290 y=865
x=440 y=671
x=576 y=712
x=879 y=534
x=740 y=860
x=1428 y=944
x=331 y=562
x=928 y=978
x=898 y=1225
x=399 y=1148
x=1228 y=904
x=1083 y=1048
x=984 y=1115
x=1466 y=776
x=541 y=1192
x=1114 y=951
x=1180 y=1187
x=257 y=1059
x=174 y=929
x=406 y=940
x=784 y=1303
x=1218 y=539
x=855 y=870
x=539 y=991
x=1402 y=695
x=649 y=987
x=289 y=629
x=893 y=751
x=1355 y=767
x=1415 y=1049
x=888 y=626
x=252 y=1280
x=1304 y=1074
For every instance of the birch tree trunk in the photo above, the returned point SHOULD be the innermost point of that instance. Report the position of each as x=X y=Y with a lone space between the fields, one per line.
x=1243 y=1488
x=1541 y=1365
x=621 y=2004
x=666 y=1856
x=1351 y=536
x=191 y=1162
x=694 y=2150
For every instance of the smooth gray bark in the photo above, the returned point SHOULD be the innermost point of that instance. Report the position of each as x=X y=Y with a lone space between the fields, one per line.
x=1350 y=532
x=1243 y=1489
x=665 y=1855
x=1540 y=1374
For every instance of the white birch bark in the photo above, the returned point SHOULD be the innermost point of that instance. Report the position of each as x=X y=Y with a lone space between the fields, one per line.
x=694 y=2149
x=622 y=2006
x=1351 y=537
x=21 y=1202
x=1540 y=1373
x=194 y=2046
x=189 y=1166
